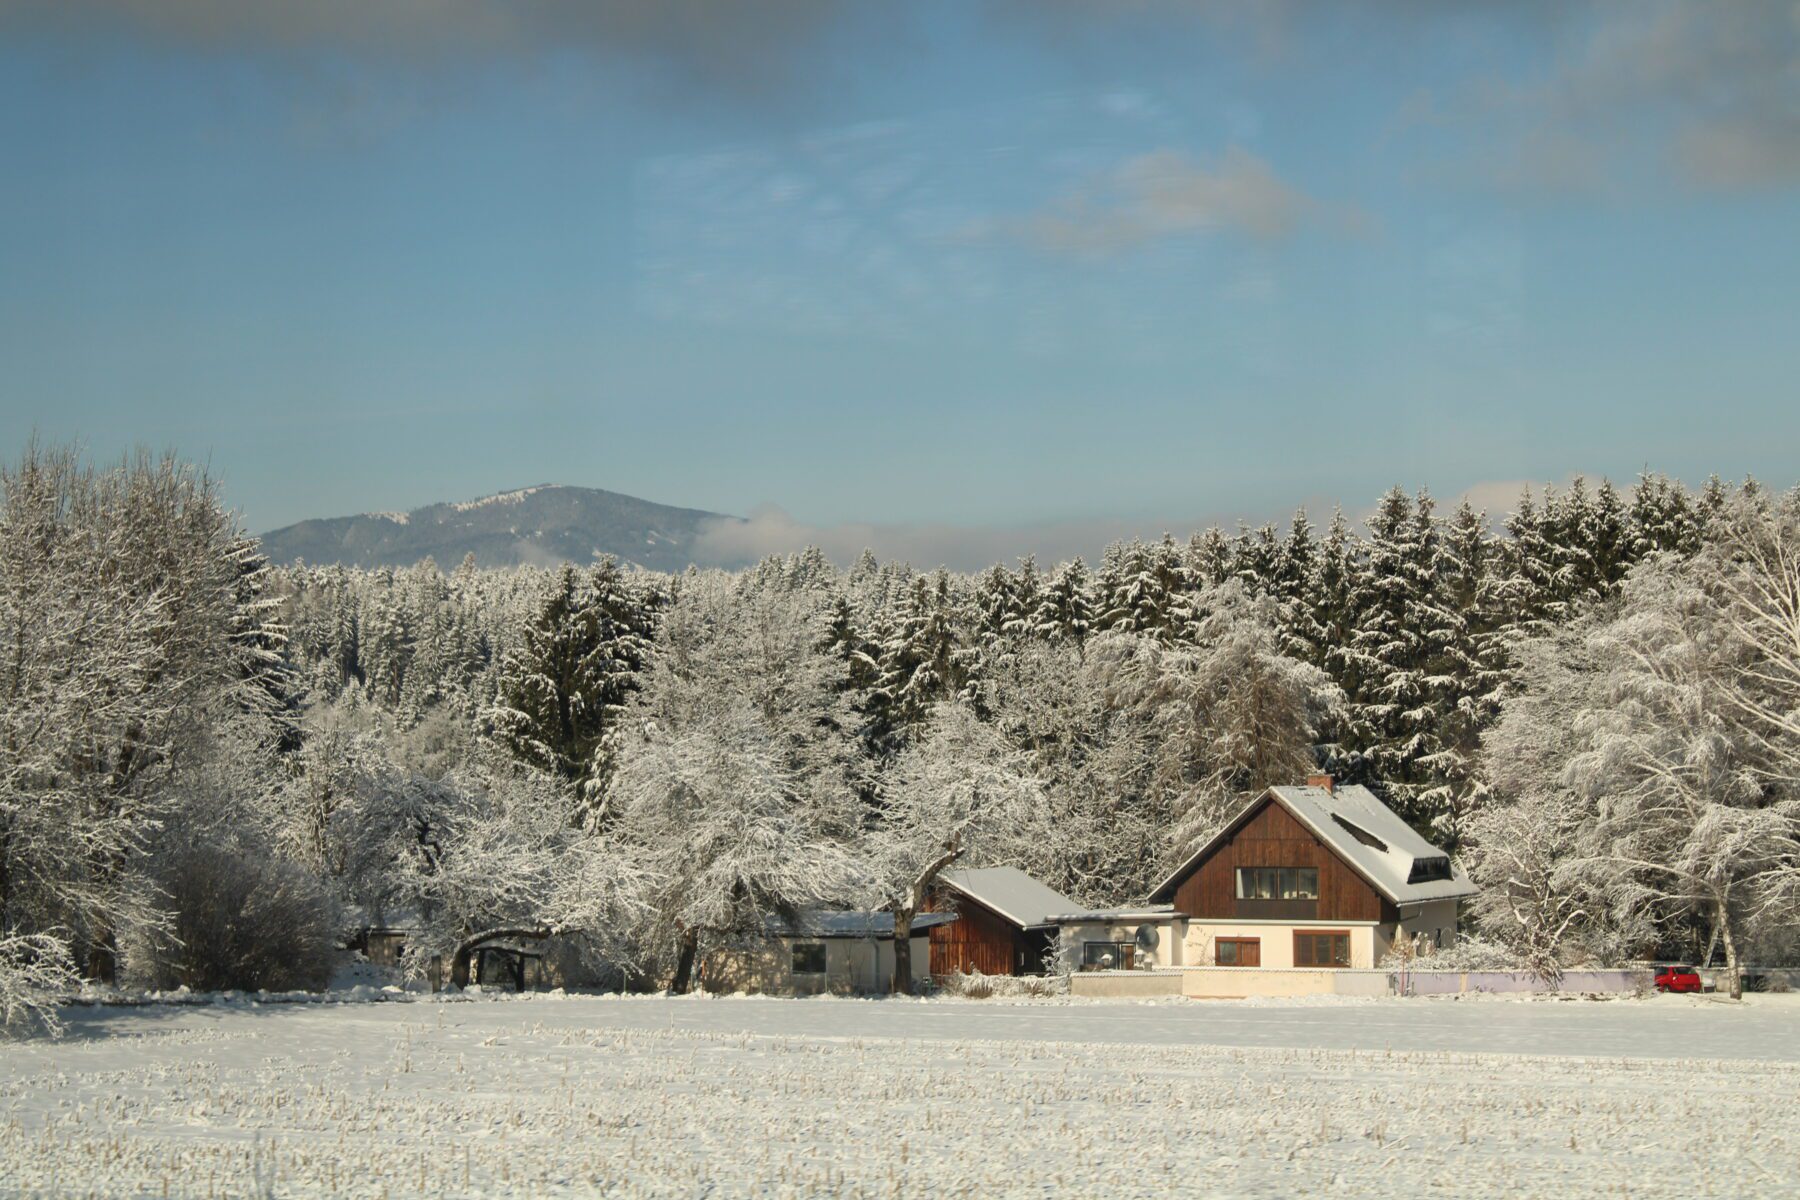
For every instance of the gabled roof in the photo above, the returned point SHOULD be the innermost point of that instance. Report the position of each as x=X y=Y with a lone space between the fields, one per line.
x=822 y=923
x=1361 y=830
x=1011 y=893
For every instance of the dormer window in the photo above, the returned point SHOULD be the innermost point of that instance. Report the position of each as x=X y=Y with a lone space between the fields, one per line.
x=1360 y=834
x=1424 y=870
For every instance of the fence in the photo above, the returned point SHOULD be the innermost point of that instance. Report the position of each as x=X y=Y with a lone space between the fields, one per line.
x=1222 y=983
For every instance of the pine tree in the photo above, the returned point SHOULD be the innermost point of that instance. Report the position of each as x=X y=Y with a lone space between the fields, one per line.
x=1661 y=518
x=1392 y=716
x=578 y=661
x=1463 y=677
x=1209 y=557
x=1527 y=587
x=1611 y=538
x=1065 y=611
x=925 y=662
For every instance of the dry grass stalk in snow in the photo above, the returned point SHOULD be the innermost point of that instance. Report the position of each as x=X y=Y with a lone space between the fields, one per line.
x=488 y=1099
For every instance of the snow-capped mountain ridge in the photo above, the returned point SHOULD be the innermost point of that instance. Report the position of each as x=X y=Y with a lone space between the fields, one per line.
x=542 y=524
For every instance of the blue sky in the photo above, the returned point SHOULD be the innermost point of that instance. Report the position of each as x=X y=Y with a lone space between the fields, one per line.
x=989 y=276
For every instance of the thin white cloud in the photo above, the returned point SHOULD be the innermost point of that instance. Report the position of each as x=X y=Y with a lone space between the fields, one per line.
x=1170 y=193
x=959 y=547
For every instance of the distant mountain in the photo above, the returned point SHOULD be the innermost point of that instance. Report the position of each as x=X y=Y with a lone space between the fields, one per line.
x=539 y=525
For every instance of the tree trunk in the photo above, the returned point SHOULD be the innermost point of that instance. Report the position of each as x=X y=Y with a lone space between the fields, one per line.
x=103 y=956
x=903 y=919
x=904 y=913
x=1712 y=941
x=1731 y=958
x=684 y=962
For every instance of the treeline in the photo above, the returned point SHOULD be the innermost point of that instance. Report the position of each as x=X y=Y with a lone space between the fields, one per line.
x=210 y=770
x=1414 y=620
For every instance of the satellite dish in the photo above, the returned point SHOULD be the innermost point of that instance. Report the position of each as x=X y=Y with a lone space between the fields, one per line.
x=1146 y=938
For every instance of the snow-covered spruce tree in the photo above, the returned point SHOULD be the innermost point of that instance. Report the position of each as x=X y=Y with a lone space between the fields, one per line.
x=1207 y=561
x=1392 y=715
x=927 y=659
x=1464 y=672
x=120 y=594
x=959 y=790
x=1662 y=517
x=1526 y=586
x=740 y=767
x=577 y=663
x=1065 y=611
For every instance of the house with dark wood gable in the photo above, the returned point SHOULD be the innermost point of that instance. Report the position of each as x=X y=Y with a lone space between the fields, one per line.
x=1318 y=876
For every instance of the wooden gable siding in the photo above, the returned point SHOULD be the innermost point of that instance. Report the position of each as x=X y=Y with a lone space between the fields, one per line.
x=1273 y=838
x=980 y=939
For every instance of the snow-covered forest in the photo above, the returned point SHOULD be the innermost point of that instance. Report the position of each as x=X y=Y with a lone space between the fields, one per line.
x=211 y=769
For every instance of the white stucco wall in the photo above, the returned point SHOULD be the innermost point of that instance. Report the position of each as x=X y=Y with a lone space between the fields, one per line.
x=1431 y=921
x=852 y=966
x=1168 y=939
x=1276 y=938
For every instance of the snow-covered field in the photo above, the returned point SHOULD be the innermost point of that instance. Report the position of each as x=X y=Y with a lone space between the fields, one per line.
x=726 y=1097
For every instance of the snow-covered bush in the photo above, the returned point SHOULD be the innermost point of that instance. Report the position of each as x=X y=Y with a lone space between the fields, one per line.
x=35 y=973
x=1468 y=954
x=236 y=920
x=973 y=985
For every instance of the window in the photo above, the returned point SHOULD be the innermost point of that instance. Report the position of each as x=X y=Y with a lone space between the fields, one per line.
x=1327 y=949
x=1237 y=952
x=1360 y=834
x=1424 y=870
x=1106 y=956
x=809 y=958
x=1277 y=883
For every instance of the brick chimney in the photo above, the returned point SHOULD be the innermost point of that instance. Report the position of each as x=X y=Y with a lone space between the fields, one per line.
x=1319 y=781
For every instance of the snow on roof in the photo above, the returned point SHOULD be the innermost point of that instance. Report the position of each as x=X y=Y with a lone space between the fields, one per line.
x=1145 y=912
x=1365 y=833
x=1011 y=893
x=840 y=924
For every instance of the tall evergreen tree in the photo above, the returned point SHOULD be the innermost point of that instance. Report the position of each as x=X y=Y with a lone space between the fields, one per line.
x=1392 y=716
x=576 y=664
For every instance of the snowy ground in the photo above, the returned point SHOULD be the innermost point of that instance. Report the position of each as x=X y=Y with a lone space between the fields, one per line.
x=697 y=1097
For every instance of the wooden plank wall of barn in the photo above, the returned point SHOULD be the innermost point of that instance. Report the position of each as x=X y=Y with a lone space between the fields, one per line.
x=978 y=940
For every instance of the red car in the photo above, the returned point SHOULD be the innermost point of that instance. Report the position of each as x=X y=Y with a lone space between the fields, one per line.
x=1677 y=979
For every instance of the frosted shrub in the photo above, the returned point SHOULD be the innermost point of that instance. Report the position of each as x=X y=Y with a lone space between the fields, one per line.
x=35 y=971
x=1469 y=954
x=974 y=985
x=238 y=921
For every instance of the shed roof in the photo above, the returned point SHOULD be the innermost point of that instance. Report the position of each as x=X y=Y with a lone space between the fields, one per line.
x=1143 y=912
x=1363 y=831
x=823 y=923
x=1011 y=893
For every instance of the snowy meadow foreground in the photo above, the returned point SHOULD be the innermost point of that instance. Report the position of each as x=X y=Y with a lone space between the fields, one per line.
x=729 y=1097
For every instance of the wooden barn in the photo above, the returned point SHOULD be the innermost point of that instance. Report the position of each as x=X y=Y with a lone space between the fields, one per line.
x=1006 y=922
